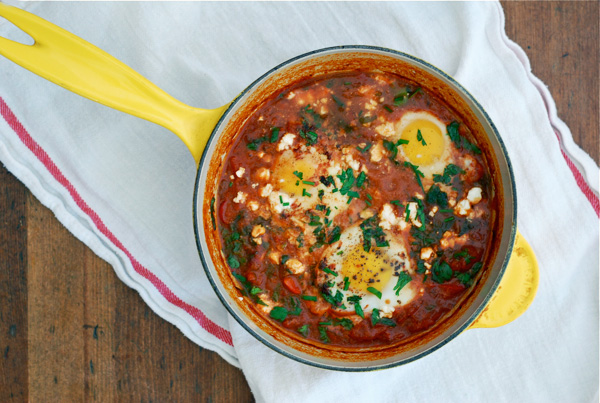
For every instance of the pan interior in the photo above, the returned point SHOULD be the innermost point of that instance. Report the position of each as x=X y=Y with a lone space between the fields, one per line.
x=328 y=61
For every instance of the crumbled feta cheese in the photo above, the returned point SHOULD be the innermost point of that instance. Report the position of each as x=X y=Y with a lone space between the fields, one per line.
x=386 y=129
x=240 y=198
x=377 y=152
x=240 y=172
x=286 y=142
x=269 y=304
x=280 y=201
x=257 y=231
x=274 y=257
x=295 y=266
x=387 y=217
x=352 y=163
x=266 y=190
x=474 y=195
x=386 y=311
x=366 y=213
x=426 y=253
x=263 y=174
x=253 y=205
x=412 y=214
x=254 y=185
x=463 y=207
x=291 y=95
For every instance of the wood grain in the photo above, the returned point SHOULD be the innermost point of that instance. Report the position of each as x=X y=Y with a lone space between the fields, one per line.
x=71 y=331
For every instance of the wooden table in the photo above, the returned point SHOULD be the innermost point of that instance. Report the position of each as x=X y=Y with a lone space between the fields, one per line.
x=71 y=331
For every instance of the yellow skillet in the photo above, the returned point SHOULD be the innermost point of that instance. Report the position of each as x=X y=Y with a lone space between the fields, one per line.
x=82 y=68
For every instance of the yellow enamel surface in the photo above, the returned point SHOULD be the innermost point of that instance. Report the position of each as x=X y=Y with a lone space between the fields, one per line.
x=80 y=67
x=516 y=291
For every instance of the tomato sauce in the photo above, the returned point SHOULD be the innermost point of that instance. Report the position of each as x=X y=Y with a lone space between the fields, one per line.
x=354 y=209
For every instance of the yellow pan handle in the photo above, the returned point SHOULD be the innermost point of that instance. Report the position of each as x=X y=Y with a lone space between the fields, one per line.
x=80 y=67
x=516 y=290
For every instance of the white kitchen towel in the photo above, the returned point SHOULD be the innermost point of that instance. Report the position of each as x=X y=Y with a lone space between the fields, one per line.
x=124 y=186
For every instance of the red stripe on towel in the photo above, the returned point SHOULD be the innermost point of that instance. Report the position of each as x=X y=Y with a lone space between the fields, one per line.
x=208 y=325
x=581 y=182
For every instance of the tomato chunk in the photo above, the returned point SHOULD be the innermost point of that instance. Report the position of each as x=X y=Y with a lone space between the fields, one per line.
x=292 y=285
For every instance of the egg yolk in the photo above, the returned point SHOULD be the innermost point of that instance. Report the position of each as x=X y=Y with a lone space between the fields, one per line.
x=366 y=269
x=289 y=173
x=425 y=142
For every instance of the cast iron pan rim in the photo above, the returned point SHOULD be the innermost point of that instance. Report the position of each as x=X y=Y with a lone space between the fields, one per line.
x=512 y=235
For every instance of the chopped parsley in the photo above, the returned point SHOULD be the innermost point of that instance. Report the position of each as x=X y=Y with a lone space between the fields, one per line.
x=441 y=271
x=450 y=171
x=459 y=141
x=339 y=103
x=374 y=291
x=372 y=231
x=365 y=148
x=420 y=138
x=233 y=262
x=393 y=148
x=346 y=283
x=345 y=323
x=418 y=173
x=329 y=271
x=403 y=279
x=279 y=313
x=323 y=334
x=303 y=330
x=436 y=196
x=355 y=299
x=299 y=174
x=334 y=235
x=404 y=96
x=309 y=298
x=305 y=193
x=274 y=134
x=254 y=144
x=310 y=136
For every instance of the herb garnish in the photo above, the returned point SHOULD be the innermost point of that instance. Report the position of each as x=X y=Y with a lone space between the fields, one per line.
x=323 y=334
x=459 y=141
x=374 y=291
x=370 y=231
x=393 y=148
x=404 y=96
x=403 y=279
x=253 y=145
x=365 y=148
x=355 y=299
x=274 y=134
x=441 y=271
x=450 y=171
x=309 y=298
x=420 y=138
x=279 y=313
x=303 y=330
x=436 y=196
x=418 y=173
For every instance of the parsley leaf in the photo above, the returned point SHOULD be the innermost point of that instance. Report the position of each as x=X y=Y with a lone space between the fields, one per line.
x=441 y=271
x=274 y=134
x=436 y=196
x=403 y=279
x=279 y=313
x=374 y=291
